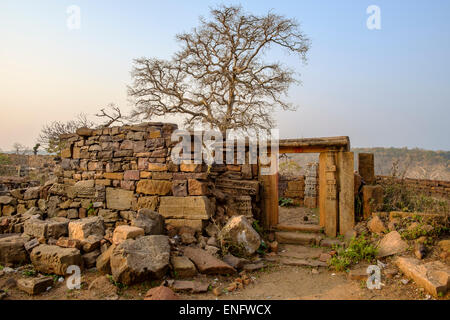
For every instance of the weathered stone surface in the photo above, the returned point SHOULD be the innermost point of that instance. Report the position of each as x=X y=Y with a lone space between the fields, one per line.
x=91 y=243
x=197 y=188
x=81 y=189
x=372 y=199
x=148 y=202
x=444 y=245
x=358 y=274
x=152 y=222
x=30 y=245
x=206 y=263
x=189 y=286
x=65 y=242
x=32 y=193
x=124 y=232
x=89 y=259
x=183 y=267
x=366 y=167
x=159 y=187
x=81 y=229
x=108 y=216
x=179 y=188
x=12 y=250
x=390 y=244
x=84 y=132
x=196 y=225
x=144 y=258
x=303 y=262
x=433 y=276
x=161 y=293
x=103 y=261
x=197 y=207
x=240 y=232
x=35 y=286
x=4 y=200
x=235 y=262
x=52 y=228
x=102 y=289
x=376 y=225
x=8 y=210
x=54 y=259
x=131 y=175
x=298 y=238
x=118 y=199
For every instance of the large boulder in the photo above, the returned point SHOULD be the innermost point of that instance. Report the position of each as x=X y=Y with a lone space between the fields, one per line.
x=12 y=250
x=240 y=232
x=207 y=263
x=391 y=244
x=152 y=222
x=53 y=259
x=141 y=259
x=83 y=228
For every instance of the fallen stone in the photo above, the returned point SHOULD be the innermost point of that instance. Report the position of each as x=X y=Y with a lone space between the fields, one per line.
x=137 y=260
x=53 y=259
x=391 y=244
x=206 y=263
x=31 y=193
x=325 y=257
x=250 y=267
x=35 y=286
x=81 y=229
x=189 y=286
x=303 y=262
x=444 y=245
x=30 y=245
x=433 y=276
x=358 y=274
x=91 y=243
x=161 y=293
x=420 y=251
x=183 y=267
x=103 y=264
x=90 y=259
x=376 y=225
x=124 y=232
x=5 y=200
x=235 y=262
x=239 y=232
x=12 y=250
x=212 y=250
x=151 y=221
x=65 y=242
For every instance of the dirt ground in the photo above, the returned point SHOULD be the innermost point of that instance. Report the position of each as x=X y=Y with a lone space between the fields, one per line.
x=298 y=215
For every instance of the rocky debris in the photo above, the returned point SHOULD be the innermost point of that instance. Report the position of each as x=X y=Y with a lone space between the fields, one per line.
x=161 y=293
x=189 y=286
x=303 y=262
x=212 y=250
x=90 y=259
x=137 y=260
x=51 y=228
x=212 y=230
x=183 y=267
x=420 y=250
x=151 y=221
x=206 y=263
x=390 y=272
x=376 y=225
x=81 y=229
x=433 y=276
x=330 y=243
x=91 y=243
x=65 y=242
x=240 y=232
x=124 y=232
x=102 y=263
x=30 y=245
x=273 y=246
x=212 y=242
x=391 y=244
x=325 y=257
x=235 y=262
x=54 y=259
x=12 y=250
x=187 y=235
x=102 y=288
x=250 y=267
x=35 y=286
x=444 y=245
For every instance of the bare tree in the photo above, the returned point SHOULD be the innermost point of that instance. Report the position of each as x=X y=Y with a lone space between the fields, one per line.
x=49 y=136
x=19 y=148
x=113 y=115
x=219 y=77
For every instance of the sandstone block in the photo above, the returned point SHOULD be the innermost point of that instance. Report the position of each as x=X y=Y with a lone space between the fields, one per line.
x=159 y=187
x=183 y=267
x=196 y=208
x=124 y=232
x=83 y=228
x=54 y=259
x=239 y=232
x=206 y=263
x=119 y=199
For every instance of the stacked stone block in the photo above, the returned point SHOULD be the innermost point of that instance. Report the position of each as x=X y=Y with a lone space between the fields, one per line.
x=311 y=185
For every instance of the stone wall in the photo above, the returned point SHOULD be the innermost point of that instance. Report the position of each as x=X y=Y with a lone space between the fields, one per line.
x=114 y=172
x=435 y=188
x=292 y=187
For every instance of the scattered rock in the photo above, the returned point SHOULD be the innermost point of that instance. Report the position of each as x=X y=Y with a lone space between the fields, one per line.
x=390 y=244
x=376 y=225
x=358 y=274
x=29 y=245
x=250 y=267
x=137 y=260
x=212 y=250
x=433 y=276
x=103 y=264
x=241 y=233
x=54 y=259
x=187 y=235
x=183 y=267
x=235 y=262
x=35 y=286
x=124 y=232
x=65 y=242
x=90 y=259
x=206 y=263
x=81 y=229
x=189 y=286
x=152 y=222
x=161 y=293
x=420 y=250
x=390 y=272
x=12 y=250
x=212 y=241
x=102 y=288
x=217 y=291
x=325 y=257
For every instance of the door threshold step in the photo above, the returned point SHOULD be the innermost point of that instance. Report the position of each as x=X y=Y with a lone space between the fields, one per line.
x=308 y=228
x=298 y=238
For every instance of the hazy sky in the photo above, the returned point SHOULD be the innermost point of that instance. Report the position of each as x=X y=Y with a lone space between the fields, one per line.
x=388 y=87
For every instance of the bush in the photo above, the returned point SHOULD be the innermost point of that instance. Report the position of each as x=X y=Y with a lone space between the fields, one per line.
x=285 y=202
x=359 y=249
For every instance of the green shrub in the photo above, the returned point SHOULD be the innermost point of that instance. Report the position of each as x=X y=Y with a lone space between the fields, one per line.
x=359 y=249
x=285 y=202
